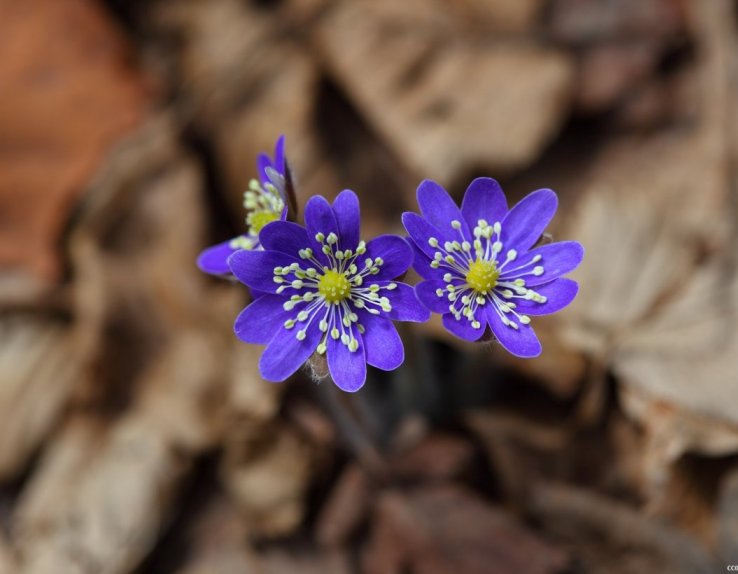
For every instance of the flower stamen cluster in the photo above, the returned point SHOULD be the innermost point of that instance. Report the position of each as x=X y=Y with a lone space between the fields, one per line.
x=475 y=277
x=483 y=271
x=331 y=290
x=264 y=201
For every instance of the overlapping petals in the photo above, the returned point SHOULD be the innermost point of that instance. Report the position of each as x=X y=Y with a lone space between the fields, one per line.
x=482 y=272
x=264 y=202
x=326 y=293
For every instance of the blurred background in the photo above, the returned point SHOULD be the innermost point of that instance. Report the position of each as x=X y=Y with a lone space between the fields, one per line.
x=136 y=435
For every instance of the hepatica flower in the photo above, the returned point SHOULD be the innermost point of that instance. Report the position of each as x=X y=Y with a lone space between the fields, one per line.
x=326 y=292
x=480 y=267
x=264 y=202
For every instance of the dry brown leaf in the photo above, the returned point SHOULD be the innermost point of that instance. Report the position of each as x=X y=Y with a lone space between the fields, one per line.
x=217 y=541
x=248 y=81
x=444 y=100
x=608 y=537
x=40 y=364
x=305 y=562
x=513 y=16
x=438 y=457
x=69 y=93
x=44 y=499
x=658 y=298
x=269 y=481
x=446 y=529
x=159 y=364
x=345 y=508
x=727 y=518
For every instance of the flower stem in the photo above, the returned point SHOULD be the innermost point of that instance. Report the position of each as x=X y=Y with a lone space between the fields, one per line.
x=359 y=443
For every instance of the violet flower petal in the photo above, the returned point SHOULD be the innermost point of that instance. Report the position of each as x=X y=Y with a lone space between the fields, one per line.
x=559 y=293
x=395 y=251
x=256 y=268
x=426 y=292
x=521 y=342
x=439 y=208
x=556 y=259
x=462 y=328
x=420 y=231
x=405 y=304
x=279 y=161
x=285 y=354
x=251 y=326
x=525 y=222
x=421 y=264
x=347 y=368
x=382 y=343
x=319 y=218
x=214 y=259
x=346 y=209
x=284 y=237
x=484 y=199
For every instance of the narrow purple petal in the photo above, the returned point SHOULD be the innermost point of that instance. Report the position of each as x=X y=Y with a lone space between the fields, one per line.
x=346 y=209
x=214 y=260
x=256 y=268
x=484 y=199
x=439 y=208
x=405 y=304
x=382 y=342
x=521 y=342
x=347 y=368
x=421 y=264
x=319 y=218
x=556 y=259
x=261 y=320
x=420 y=231
x=285 y=353
x=559 y=293
x=263 y=161
x=462 y=328
x=525 y=222
x=279 y=162
x=426 y=292
x=285 y=237
x=395 y=251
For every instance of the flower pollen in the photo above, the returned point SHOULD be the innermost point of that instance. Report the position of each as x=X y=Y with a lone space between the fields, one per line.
x=482 y=276
x=257 y=220
x=334 y=286
x=265 y=204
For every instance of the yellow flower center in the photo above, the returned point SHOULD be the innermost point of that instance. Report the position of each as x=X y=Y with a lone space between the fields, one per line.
x=334 y=287
x=482 y=276
x=256 y=220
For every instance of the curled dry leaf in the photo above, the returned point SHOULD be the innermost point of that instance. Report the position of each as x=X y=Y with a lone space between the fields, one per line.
x=345 y=509
x=442 y=101
x=658 y=300
x=727 y=518
x=269 y=481
x=66 y=99
x=446 y=529
x=40 y=364
x=609 y=538
x=228 y=56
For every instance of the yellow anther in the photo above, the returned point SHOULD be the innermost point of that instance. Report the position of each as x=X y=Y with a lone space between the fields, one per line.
x=334 y=286
x=482 y=276
x=257 y=220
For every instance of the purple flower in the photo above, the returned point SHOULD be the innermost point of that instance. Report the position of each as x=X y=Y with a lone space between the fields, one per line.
x=265 y=201
x=478 y=265
x=326 y=292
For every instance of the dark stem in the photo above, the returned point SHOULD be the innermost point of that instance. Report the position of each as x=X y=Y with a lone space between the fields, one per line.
x=360 y=444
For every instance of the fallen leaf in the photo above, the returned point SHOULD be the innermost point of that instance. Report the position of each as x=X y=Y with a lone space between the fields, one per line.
x=67 y=98
x=446 y=529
